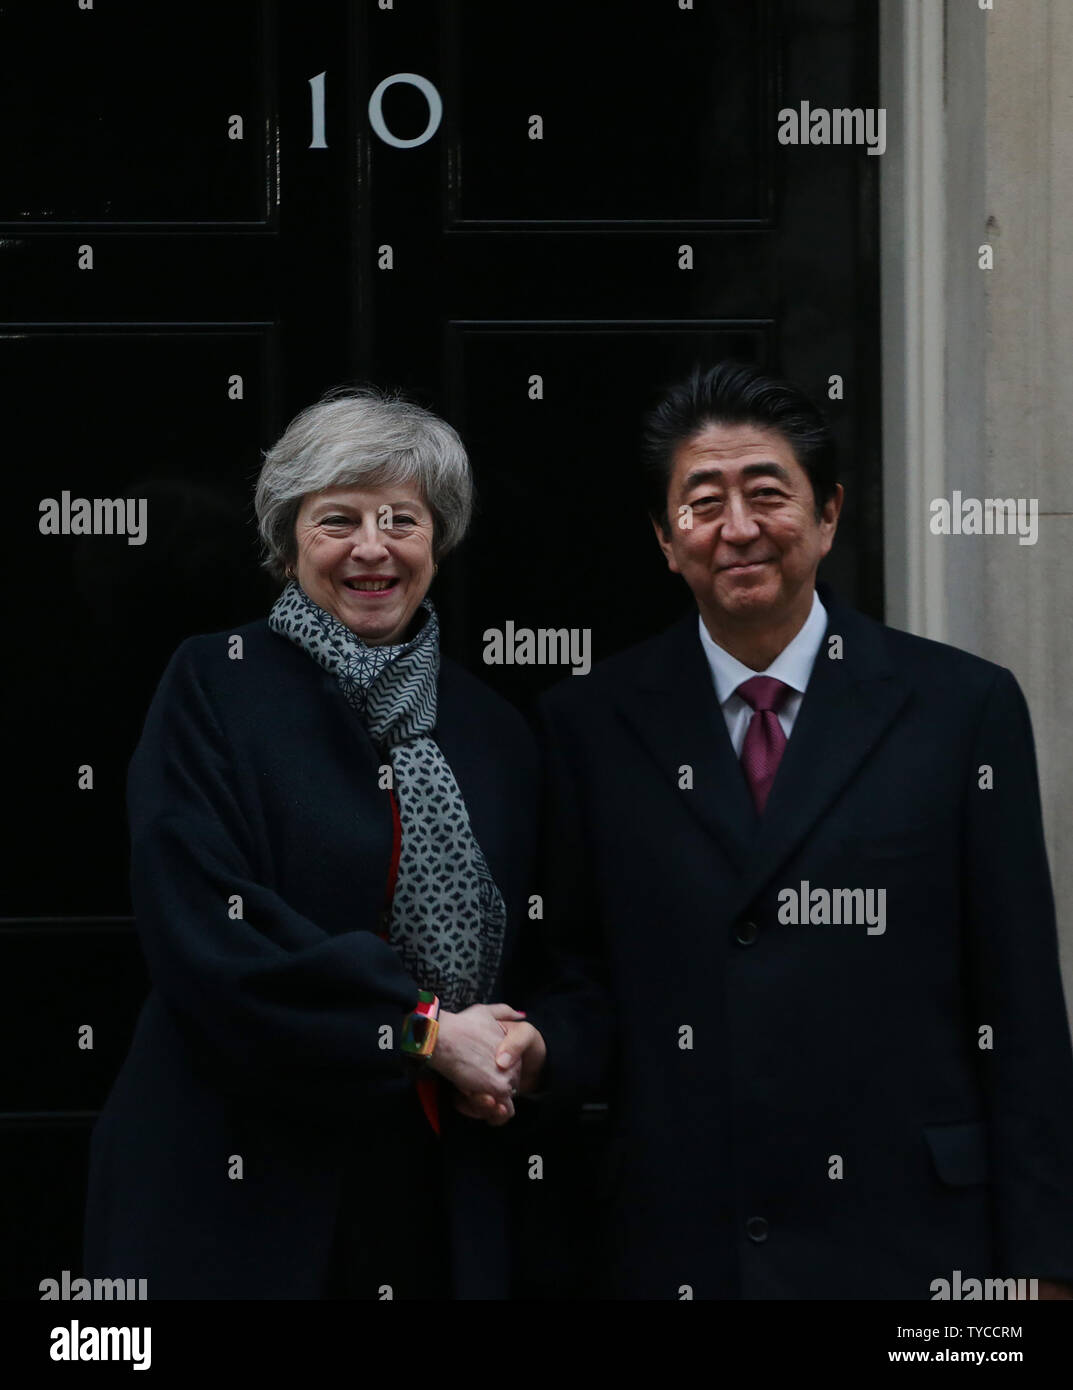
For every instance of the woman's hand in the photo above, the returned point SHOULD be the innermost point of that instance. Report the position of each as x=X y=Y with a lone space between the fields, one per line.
x=465 y=1052
x=521 y=1055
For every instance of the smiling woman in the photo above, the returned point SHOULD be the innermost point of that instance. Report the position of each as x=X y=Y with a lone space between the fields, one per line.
x=365 y=555
x=332 y=836
x=364 y=486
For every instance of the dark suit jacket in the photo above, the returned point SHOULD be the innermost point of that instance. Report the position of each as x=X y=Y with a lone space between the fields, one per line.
x=261 y=1037
x=812 y=1044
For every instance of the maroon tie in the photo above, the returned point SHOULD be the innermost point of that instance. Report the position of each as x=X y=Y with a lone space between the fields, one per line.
x=764 y=738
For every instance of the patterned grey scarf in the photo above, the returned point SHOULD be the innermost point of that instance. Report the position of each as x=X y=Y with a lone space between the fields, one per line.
x=447 y=915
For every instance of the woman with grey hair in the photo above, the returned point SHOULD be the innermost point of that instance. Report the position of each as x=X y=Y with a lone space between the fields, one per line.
x=332 y=830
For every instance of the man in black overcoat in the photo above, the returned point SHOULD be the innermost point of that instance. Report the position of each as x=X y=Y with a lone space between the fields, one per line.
x=799 y=856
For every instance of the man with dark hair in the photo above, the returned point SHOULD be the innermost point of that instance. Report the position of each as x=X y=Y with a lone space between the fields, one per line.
x=733 y=393
x=800 y=863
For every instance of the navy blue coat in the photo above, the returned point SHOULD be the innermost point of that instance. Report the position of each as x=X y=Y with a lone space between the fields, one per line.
x=261 y=1036
x=830 y=1126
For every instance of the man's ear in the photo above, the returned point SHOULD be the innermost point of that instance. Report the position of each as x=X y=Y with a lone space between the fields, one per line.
x=830 y=513
x=664 y=541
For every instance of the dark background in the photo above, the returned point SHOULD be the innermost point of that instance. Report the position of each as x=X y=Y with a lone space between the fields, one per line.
x=258 y=257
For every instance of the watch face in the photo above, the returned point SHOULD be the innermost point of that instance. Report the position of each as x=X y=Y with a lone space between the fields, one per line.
x=419 y=1031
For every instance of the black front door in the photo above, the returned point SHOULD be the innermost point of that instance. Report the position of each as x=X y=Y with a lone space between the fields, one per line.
x=529 y=217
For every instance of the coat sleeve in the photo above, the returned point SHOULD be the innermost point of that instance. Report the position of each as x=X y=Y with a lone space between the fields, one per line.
x=268 y=1001
x=1028 y=1069
x=565 y=962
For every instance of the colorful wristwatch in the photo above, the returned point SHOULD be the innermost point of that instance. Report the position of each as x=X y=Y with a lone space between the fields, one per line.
x=420 y=1028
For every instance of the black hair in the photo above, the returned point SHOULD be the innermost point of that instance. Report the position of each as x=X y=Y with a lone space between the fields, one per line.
x=734 y=393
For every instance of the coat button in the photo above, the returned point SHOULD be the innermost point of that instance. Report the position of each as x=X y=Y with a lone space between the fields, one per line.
x=756 y=1228
x=746 y=933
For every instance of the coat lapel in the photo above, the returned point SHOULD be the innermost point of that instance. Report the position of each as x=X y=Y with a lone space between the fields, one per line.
x=848 y=706
x=672 y=708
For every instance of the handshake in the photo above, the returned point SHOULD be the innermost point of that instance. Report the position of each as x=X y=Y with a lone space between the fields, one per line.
x=489 y=1054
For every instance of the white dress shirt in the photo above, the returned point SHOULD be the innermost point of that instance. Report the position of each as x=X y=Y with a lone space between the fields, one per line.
x=792 y=666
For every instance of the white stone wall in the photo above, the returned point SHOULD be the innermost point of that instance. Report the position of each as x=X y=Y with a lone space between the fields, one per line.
x=1026 y=596
x=994 y=114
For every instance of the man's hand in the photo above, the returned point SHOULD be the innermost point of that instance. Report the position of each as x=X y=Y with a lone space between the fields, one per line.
x=521 y=1056
x=465 y=1052
x=1052 y=1292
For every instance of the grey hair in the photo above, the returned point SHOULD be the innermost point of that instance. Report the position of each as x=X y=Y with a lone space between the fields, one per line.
x=362 y=437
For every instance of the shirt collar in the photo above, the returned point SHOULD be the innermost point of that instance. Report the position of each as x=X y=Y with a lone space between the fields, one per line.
x=793 y=665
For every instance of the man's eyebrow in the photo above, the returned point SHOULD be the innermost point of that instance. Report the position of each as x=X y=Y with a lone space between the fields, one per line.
x=768 y=469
